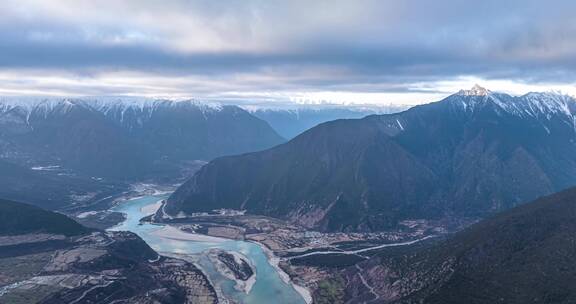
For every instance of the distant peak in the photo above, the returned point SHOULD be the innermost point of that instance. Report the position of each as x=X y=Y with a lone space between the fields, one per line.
x=475 y=91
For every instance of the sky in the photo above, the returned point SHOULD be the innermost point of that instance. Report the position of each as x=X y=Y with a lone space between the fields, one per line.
x=271 y=52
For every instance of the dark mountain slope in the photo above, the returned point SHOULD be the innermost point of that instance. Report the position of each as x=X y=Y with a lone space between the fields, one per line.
x=525 y=255
x=189 y=131
x=18 y=218
x=53 y=190
x=471 y=154
x=78 y=138
x=279 y=180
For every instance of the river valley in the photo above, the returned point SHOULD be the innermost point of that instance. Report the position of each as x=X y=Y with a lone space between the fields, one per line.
x=270 y=283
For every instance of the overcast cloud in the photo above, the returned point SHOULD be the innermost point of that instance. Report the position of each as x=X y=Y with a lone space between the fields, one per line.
x=273 y=51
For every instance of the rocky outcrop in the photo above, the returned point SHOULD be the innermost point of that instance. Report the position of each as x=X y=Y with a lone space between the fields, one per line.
x=234 y=266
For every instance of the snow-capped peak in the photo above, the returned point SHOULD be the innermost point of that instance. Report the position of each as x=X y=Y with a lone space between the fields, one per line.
x=529 y=105
x=141 y=108
x=475 y=91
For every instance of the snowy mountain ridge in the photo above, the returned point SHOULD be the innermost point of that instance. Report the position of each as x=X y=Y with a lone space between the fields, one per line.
x=28 y=104
x=534 y=104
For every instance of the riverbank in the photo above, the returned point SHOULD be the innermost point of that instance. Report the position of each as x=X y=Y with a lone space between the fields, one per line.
x=275 y=262
x=173 y=233
x=140 y=190
x=106 y=218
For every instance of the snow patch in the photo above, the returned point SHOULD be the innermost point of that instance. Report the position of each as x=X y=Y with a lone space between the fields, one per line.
x=45 y=168
x=400 y=124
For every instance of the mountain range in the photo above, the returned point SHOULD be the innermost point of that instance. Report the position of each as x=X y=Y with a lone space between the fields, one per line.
x=471 y=154
x=81 y=142
x=125 y=138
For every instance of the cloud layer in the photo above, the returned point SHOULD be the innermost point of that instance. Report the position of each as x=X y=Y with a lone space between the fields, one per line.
x=273 y=50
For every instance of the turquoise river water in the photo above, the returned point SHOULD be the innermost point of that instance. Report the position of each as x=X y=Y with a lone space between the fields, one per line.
x=269 y=286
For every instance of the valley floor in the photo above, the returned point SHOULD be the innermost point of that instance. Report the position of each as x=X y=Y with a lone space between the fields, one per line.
x=312 y=258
